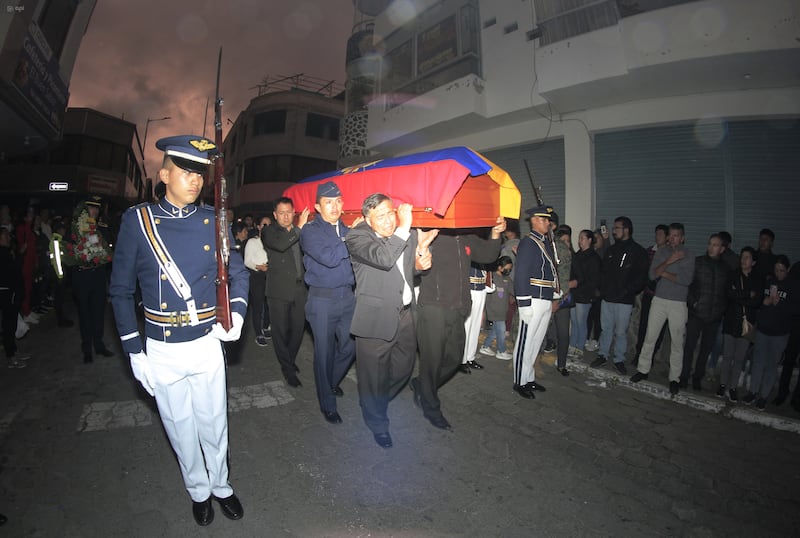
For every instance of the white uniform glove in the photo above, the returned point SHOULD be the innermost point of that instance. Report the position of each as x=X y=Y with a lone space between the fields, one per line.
x=236 y=330
x=141 y=371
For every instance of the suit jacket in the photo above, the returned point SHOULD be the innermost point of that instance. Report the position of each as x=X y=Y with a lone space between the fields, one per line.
x=283 y=275
x=379 y=283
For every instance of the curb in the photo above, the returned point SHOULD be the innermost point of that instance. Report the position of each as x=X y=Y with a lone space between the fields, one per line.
x=710 y=405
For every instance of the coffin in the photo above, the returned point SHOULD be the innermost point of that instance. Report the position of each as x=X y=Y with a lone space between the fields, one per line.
x=448 y=188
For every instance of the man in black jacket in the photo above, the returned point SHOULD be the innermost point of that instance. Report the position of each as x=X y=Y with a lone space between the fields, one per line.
x=624 y=275
x=286 y=291
x=707 y=301
x=444 y=304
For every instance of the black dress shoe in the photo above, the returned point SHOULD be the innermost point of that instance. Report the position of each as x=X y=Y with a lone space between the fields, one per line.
x=440 y=422
x=563 y=371
x=332 y=417
x=203 y=512
x=475 y=365
x=523 y=391
x=292 y=381
x=231 y=507
x=415 y=390
x=337 y=391
x=105 y=352
x=464 y=369
x=384 y=440
x=533 y=385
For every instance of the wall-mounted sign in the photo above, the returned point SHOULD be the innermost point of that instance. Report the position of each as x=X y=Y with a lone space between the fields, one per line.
x=58 y=186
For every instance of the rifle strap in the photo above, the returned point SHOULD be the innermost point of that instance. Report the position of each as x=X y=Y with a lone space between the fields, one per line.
x=166 y=263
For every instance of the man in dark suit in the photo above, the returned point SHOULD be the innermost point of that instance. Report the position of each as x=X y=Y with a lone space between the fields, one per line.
x=286 y=291
x=385 y=254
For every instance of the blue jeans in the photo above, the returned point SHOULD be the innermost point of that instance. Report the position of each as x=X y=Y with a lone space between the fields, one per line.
x=579 y=316
x=498 y=333
x=614 y=318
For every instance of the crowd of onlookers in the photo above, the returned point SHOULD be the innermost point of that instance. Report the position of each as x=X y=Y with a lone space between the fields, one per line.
x=31 y=278
x=732 y=316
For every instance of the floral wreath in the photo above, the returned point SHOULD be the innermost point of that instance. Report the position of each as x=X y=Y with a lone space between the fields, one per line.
x=87 y=247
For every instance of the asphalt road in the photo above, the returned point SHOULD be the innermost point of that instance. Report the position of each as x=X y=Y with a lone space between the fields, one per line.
x=84 y=455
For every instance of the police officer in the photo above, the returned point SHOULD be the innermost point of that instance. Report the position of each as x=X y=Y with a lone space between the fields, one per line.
x=90 y=253
x=535 y=282
x=169 y=248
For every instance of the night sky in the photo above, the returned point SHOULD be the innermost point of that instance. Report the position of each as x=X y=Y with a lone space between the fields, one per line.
x=156 y=58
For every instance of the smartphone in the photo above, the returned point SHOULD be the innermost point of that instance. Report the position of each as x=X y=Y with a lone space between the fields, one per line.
x=603 y=227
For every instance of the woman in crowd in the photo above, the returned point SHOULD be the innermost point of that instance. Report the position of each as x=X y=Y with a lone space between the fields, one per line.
x=586 y=265
x=744 y=298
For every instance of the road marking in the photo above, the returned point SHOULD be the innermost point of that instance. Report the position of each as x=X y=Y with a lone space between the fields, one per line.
x=103 y=416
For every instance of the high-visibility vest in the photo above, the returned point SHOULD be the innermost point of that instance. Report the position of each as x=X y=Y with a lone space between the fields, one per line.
x=57 y=254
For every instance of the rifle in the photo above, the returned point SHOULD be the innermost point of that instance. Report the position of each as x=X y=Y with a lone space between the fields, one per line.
x=222 y=226
x=537 y=191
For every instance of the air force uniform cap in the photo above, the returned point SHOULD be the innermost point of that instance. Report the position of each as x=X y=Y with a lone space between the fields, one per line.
x=190 y=152
x=95 y=201
x=544 y=211
x=329 y=189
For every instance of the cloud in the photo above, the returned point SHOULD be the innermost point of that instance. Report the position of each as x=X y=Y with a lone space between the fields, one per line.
x=156 y=58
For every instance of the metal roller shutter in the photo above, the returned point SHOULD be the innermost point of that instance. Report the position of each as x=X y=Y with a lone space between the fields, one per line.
x=765 y=167
x=662 y=175
x=546 y=161
x=711 y=176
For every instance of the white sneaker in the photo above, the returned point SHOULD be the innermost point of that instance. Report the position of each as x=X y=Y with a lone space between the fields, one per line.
x=14 y=363
x=591 y=345
x=486 y=351
x=503 y=355
x=574 y=352
x=31 y=318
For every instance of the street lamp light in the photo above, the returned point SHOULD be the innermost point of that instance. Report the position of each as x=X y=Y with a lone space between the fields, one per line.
x=146 y=126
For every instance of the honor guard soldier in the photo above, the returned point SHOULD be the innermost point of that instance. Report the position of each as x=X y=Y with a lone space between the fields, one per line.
x=535 y=282
x=169 y=248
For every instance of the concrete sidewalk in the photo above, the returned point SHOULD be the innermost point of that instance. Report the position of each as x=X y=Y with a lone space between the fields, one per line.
x=83 y=454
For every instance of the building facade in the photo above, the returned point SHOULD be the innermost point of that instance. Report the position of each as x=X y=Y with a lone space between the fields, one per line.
x=97 y=155
x=39 y=43
x=661 y=110
x=288 y=133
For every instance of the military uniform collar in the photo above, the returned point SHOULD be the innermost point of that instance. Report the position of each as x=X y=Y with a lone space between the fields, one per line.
x=175 y=211
x=537 y=235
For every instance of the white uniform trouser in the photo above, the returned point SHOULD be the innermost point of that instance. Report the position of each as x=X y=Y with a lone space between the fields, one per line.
x=189 y=379
x=472 y=326
x=533 y=321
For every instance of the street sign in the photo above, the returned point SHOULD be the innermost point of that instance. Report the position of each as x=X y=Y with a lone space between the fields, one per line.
x=59 y=186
